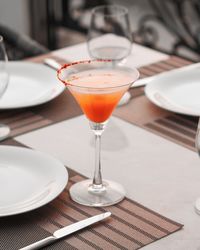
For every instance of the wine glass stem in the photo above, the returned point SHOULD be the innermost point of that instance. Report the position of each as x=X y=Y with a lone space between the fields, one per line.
x=97 y=180
x=97 y=184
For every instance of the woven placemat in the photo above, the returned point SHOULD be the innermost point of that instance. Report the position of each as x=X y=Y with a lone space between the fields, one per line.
x=131 y=225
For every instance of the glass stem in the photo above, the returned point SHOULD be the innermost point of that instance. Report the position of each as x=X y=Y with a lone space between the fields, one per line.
x=97 y=180
x=98 y=129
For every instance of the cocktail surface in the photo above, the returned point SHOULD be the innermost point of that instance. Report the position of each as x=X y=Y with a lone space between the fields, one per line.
x=99 y=90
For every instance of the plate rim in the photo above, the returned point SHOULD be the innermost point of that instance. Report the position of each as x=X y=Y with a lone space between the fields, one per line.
x=151 y=89
x=32 y=64
x=56 y=194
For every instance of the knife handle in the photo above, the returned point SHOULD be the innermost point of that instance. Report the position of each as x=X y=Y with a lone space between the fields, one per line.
x=40 y=243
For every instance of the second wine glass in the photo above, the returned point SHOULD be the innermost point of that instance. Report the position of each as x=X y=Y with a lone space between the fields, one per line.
x=109 y=35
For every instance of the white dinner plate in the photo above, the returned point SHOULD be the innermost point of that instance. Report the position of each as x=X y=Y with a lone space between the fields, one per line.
x=30 y=84
x=28 y=179
x=177 y=90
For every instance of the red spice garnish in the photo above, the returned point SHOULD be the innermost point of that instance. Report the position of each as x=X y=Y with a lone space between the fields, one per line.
x=75 y=63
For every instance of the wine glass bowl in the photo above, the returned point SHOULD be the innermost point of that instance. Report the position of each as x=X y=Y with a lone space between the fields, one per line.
x=109 y=35
x=97 y=86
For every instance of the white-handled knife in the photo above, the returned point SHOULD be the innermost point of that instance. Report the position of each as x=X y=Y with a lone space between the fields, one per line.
x=67 y=231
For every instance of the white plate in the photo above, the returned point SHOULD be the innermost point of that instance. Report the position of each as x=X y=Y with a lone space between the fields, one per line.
x=177 y=90
x=30 y=84
x=28 y=179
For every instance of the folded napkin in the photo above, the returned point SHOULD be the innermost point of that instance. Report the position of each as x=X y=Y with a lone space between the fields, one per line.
x=139 y=56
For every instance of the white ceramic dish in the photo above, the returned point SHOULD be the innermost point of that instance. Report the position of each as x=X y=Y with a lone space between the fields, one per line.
x=30 y=84
x=29 y=179
x=177 y=90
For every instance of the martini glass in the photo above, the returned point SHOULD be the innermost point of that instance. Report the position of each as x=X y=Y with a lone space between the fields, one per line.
x=97 y=86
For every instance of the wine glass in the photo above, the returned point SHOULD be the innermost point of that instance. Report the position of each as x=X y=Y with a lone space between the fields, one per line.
x=197 y=144
x=4 y=78
x=97 y=86
x=109 y=36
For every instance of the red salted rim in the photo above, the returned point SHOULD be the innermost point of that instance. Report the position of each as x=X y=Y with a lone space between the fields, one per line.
x=87 y=62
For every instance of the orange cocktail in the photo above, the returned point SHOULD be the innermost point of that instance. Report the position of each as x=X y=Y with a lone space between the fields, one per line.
x=98 y=91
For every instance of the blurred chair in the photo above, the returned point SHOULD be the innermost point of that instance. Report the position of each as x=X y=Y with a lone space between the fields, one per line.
x=53 y=15
x=20 y=46
x=181 y=18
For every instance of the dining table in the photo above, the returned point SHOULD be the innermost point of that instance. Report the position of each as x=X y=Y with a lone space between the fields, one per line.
x=148 y=149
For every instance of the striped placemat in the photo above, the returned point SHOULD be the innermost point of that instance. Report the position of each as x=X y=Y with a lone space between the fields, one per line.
x=131 y=225
x=21 y=121
x=177 y=128
x=172 y=62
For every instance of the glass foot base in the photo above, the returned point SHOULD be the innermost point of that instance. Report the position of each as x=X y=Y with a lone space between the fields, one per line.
x=197 y=206
x=4 y=131
x=85 y=194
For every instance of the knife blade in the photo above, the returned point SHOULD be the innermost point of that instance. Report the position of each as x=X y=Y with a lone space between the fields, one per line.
x=65 y=231
x=52 y=63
